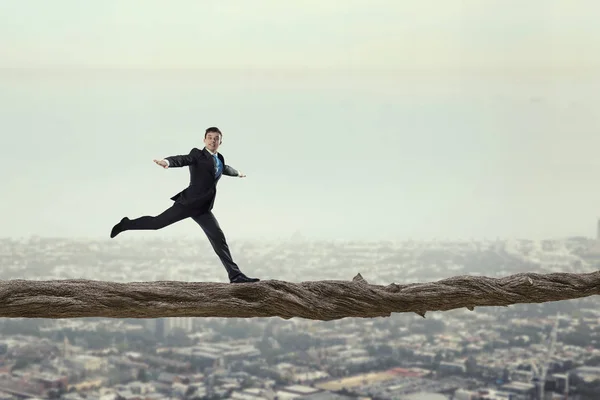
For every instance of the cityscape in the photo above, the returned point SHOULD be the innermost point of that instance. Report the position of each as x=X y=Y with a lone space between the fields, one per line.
x=404 y=143
x=524 y=351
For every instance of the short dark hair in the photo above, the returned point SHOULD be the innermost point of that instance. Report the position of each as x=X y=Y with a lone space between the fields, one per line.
x=212 y=129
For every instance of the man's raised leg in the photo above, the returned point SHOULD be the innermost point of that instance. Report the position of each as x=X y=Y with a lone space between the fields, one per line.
x=216 y=237
x=173 y=214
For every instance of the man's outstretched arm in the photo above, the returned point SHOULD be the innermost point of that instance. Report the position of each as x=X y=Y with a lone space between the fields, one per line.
x=179 y=160
x=230 y=171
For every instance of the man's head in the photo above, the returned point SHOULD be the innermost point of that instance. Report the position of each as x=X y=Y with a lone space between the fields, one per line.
x=213 y=138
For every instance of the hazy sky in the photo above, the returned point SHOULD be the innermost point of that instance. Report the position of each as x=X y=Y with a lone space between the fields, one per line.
x=352 y=119
x=302 y=33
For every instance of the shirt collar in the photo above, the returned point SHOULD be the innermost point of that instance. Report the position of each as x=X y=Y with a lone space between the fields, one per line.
x=210 y=152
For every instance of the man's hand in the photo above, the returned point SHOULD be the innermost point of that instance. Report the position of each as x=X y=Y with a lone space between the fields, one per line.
x=241 y=174
x=162 y=163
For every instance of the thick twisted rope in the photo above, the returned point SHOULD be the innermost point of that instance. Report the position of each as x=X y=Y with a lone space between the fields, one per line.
x=317 y=300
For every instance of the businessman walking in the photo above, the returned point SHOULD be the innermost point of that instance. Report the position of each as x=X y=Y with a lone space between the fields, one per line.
x=196 y=201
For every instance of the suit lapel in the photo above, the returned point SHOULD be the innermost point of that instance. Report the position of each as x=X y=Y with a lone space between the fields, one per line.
x=210 y=157
x=222 y=165
x=214 y=162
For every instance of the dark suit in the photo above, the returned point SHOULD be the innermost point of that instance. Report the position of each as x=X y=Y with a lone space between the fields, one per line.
x=195 y=201
x=201 y=192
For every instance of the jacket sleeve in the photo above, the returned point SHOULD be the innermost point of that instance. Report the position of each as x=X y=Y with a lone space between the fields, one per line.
x=183 y=160
x=229 y=170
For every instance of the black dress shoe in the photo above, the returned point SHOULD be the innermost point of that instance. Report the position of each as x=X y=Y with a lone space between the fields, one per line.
x=118 y=228
x=243 y=279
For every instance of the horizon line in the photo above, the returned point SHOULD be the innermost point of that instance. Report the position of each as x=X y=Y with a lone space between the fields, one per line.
x=291 y=237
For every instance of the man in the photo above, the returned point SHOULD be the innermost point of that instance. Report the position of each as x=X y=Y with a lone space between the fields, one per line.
x=196 y=201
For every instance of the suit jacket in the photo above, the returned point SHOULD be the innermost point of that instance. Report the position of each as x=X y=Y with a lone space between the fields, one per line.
x=202 y=190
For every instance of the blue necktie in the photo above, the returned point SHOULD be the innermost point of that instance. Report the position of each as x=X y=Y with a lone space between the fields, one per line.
x=219 y=166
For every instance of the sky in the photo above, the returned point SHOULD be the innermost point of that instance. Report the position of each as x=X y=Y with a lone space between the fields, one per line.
x=353 y=120
x=300 y=34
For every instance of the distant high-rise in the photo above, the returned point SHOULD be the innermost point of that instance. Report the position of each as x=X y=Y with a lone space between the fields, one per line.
x=185 y=323
x=158 y=328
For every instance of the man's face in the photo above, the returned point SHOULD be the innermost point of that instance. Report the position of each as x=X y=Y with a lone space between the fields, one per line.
x=212 y=141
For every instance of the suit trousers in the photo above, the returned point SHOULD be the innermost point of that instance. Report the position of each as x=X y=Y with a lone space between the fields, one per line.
x=207 y=222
